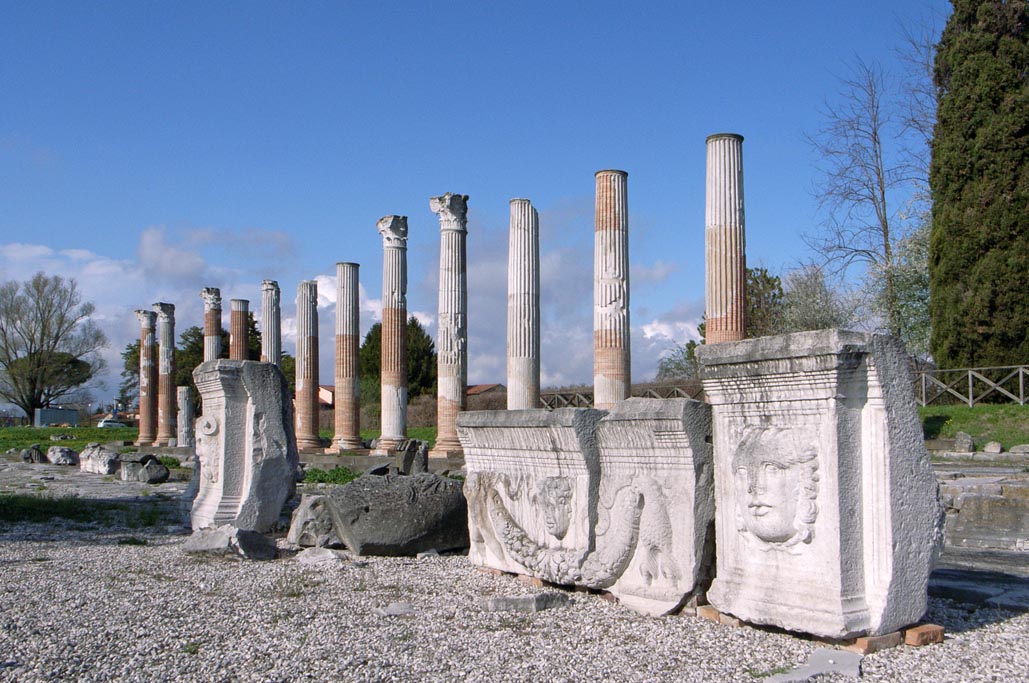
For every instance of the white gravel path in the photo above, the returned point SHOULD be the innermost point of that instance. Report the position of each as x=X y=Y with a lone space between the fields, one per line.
x=75 y=605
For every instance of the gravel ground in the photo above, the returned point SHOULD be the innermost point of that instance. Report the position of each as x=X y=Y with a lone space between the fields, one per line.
x=77 y=604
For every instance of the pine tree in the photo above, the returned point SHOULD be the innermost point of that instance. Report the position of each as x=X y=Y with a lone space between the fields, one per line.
x=979 y=177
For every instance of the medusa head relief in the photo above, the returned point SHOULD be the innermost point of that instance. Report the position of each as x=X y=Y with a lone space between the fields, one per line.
x=775 y=476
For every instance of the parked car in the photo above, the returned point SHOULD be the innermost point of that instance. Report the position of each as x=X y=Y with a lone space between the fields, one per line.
x=110 y=423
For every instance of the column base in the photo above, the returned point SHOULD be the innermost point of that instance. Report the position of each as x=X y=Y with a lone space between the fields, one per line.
x=144 y=442
x=348 y=443
x=387 y=445
x=309 y=443
x=447 y=452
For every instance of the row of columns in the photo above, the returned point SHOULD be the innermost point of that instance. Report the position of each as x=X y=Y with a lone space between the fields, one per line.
x=724 y=297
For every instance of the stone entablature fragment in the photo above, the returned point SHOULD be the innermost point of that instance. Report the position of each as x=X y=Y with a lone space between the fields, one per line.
x=828 y=516
x=618 y=500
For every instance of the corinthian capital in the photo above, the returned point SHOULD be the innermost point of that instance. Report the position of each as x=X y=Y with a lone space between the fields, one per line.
x=393 y=230
x=452 y=209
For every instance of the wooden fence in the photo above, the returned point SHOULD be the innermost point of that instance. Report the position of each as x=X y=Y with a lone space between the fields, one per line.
x=583 y=397
x=972 y=385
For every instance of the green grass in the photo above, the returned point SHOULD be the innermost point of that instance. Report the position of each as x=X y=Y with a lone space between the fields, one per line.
x=1008 y=424
x=337 y=475
x=20 y=507
x=170 y=462
x=421 y=433
x=23 y=437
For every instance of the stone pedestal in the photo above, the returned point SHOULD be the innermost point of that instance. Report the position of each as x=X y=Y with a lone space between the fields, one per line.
x=348 y=345
x=611 y=357
x=185 y=437
x=452 y=340
x=394 y=333
x=523 y=307
x=271 y=325
x=166 y=407
x=829 y=518
x=212 y=297
x=245 y=445
x=148 y=378
x=724 y=238
x=239 y=330
x=307 y=365
x=616 y=500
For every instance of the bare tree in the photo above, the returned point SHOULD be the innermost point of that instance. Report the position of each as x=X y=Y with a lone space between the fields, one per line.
x=48 y=344
x=860 y=180
x=809 y=303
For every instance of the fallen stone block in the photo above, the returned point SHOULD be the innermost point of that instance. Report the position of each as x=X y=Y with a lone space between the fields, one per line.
x=992 y=447
x=320 y=557
x=964 y=443
x=99 y=459
x=525 y=603
x=400 y=515
x=143 y=467
x=62 y=455
x=311 y=525
x=395 y=609
x=33 y=454
x=229 y=541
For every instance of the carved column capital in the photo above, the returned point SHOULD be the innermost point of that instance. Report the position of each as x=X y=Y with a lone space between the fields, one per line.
x=393 y=230
x=212 y=297
x=165 y=312
x=452 y=210
x=147 y=319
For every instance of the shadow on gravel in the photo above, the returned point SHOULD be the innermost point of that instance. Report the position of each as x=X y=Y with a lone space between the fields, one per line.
x=991 y=596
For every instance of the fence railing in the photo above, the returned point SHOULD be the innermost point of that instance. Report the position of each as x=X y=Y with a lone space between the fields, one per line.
x=972 y=385
x=583 y=397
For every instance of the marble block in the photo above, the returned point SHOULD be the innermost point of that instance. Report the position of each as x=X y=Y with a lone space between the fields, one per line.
x=828 y=515
x=245 y=444
x=619 y=500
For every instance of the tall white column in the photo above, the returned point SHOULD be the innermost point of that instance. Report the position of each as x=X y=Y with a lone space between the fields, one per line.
x=394 y=332
x=307 y=365
x=725 y=240
x=148 y=377
x=165 y=373
x=212 y=297
x=348 y=344
x=611 y=357
x=452 y=341
x=523 y=307
x=271 y=324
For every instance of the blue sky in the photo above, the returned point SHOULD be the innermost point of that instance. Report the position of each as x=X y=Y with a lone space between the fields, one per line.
x=151 y=149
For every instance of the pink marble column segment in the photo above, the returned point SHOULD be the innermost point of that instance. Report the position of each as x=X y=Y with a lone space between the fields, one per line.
x=348 y=344
x=148 y=381
x=239 y=329
x=212 y=297
x=166 y=400
x=394 y=333
x=307 y=365
x=725 y=240
x=611 y=355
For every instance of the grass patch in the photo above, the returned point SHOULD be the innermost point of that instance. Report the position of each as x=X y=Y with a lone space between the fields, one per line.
x=20 y=507
x=190 y=648
x=337 y=475
x=170 y=462
x=23 y=437
x=1008 y=424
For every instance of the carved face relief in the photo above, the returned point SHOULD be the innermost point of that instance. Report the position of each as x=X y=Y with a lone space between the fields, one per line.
x=555 y=494
x=776 y=486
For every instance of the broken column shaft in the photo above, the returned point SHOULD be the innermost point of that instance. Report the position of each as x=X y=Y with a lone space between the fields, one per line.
x=348 y=343
x=165 y=374
x=307 y=365
x=394 y=332
x=212 y=297
x=148 y=380
x=239 y=332
x=611 y=359
x=523 y=307
x=271 y=325
x=725 y=240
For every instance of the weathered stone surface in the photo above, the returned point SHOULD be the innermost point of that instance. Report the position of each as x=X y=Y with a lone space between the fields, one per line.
x=963 y=443
x=33 y=454
x=393 y=378
x=992 y=447
x=1020 y=448
x=245 y=445
x=525 y=603
x=724 y=240
x=229 y=541
x=98 y=459
x=400 y=515
x=143 y=467
x=828 y=518
x=619 y=500
x=320 y=557
x=822 y=661
x=312 y=523
x=523 y=307
x=611 y=356
x=62 y=455
x=412 y=457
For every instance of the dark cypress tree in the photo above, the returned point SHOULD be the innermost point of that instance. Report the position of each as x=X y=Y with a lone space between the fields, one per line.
x=979 y=177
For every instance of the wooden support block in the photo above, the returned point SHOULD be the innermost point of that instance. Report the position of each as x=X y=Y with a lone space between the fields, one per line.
x=866 y=645
x=531 y=580
x=923 y=634
x=609 y=597
x=491 y=571
x=708 y=612
x=729 y=620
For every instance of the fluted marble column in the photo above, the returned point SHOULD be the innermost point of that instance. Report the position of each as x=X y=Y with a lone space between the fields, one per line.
x=348 y=344
x=452 y=340
x=271 y=323
x=239 y=329
x=212 y=297
x=186 y=418
x=611 y=357
x=307 y=365
x=394 y=332
x=165 y=374
x=523 y=307
x=725 y=240
x=148 y=382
